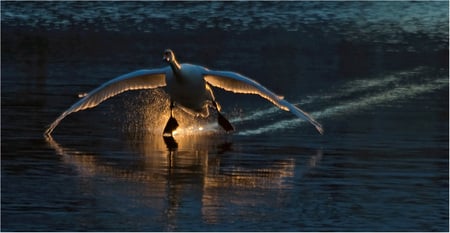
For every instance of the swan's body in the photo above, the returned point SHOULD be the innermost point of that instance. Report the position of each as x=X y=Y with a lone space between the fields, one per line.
x=190 y=90
x=188 y=86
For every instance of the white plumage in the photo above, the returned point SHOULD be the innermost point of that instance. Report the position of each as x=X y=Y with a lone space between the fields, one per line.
x=188 y=86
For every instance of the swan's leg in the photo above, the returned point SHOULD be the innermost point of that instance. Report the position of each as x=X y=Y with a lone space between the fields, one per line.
x=172 y=123
x=226 y=125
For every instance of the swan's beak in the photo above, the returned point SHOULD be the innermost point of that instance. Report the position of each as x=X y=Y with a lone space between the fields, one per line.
x=166 y=58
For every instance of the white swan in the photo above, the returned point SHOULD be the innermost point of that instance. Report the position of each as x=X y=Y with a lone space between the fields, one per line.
x=188 y=86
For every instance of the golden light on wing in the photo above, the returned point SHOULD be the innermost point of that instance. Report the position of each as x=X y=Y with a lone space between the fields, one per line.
x=114 y=87
x=141 y=79
x=237 y=83
x=234 y=82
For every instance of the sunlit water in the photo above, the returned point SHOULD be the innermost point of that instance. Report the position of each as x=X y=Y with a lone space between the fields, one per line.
x=375 y=74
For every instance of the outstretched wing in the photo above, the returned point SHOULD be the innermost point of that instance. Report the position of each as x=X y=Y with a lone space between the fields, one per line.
x=140 y=79
x=234 y=82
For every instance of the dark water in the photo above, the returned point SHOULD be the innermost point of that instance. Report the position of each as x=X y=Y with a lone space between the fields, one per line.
x=375 y=74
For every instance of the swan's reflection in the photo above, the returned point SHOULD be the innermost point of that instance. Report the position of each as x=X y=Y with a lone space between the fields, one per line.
x=205 y=168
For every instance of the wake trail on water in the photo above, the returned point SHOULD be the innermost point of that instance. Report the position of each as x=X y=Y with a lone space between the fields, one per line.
x=364 y=94
x=346 y=89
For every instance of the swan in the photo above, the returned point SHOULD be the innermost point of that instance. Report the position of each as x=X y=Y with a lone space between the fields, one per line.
x=189 y=87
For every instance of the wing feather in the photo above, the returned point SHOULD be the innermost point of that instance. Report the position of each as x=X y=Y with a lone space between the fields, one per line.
x=140 y=79
x=237 y=83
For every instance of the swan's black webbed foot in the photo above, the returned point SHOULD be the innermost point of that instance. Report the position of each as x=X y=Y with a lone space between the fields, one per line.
x=172 y=123
x=171 y=126
x=226 y=125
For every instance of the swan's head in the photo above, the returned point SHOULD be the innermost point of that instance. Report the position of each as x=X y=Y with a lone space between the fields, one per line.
x=169 y=56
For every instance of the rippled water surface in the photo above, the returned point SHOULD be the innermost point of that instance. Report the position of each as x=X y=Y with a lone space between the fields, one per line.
x=375 y=74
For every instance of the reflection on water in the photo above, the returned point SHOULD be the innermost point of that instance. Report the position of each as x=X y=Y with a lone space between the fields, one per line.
x=164 y=171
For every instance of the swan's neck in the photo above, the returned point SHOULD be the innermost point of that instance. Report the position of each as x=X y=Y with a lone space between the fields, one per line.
x=175 y=68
